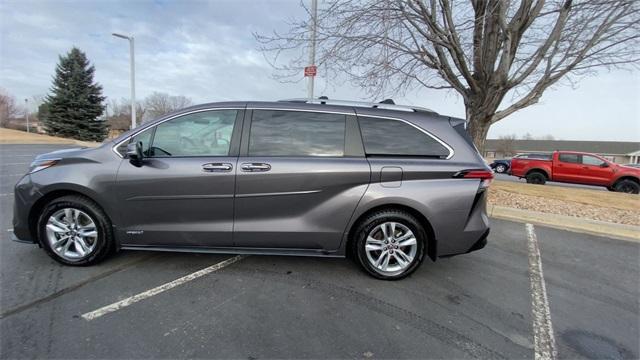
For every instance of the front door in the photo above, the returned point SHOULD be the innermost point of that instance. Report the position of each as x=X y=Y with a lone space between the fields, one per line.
x=298 y=183
x=596 y=171
x=182 y=195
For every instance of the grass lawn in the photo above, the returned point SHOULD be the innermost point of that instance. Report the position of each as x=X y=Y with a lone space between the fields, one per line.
x=9 y=136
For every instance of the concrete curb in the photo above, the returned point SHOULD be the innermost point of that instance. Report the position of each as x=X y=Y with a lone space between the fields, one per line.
x=563 y=222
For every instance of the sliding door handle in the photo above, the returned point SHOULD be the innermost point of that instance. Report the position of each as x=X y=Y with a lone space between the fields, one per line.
x=254 y=167
x=217 y=167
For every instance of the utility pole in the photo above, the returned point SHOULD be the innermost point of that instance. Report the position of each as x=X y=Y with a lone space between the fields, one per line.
x=312 y=52
x=133 y=76
x=26 y=112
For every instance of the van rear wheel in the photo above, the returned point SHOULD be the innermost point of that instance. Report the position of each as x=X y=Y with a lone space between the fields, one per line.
x=390 y=244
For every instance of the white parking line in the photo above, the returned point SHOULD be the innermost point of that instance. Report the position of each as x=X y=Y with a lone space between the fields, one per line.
x=544 y=341
x=159 y=289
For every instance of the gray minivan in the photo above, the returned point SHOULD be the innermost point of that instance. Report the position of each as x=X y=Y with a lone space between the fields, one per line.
x=387 y=184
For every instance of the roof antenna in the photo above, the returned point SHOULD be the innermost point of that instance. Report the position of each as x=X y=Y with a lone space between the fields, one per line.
x=387 y=101
x=323 y=98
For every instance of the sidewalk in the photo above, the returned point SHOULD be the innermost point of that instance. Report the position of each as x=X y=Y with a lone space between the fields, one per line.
x=570 y=223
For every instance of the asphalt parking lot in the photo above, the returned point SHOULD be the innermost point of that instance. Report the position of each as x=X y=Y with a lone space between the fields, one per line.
x=472 y=306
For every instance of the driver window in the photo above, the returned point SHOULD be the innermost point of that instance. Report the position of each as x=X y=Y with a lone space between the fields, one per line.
x=591 y=160
x=205 y=133
x=145 y=137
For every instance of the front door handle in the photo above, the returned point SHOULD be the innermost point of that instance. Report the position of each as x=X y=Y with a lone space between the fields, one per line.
x=217 y=167
x=253 y=167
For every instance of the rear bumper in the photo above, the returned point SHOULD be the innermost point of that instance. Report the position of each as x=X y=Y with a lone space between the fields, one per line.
x=21 y=240
x=481 y=243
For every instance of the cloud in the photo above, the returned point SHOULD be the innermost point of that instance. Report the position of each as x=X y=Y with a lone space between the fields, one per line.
x=205 y=50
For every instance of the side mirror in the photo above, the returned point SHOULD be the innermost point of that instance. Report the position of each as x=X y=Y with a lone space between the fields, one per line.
x=604 y=165
x=134 y=153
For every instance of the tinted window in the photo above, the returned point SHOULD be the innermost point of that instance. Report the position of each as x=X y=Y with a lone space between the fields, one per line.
x=569 y=158
x=540 y=156
x=392 y=137
x=591 y=160
x=296 y=133
x=206 y=133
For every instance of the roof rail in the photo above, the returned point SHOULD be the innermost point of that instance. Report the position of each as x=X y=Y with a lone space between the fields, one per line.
x=386 y=104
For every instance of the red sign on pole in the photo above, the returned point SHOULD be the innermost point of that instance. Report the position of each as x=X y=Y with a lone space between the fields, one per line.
x=310 y=70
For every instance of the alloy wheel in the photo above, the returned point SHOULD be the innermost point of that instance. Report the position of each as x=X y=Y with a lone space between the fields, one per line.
x=391 y=248
x=71 y=234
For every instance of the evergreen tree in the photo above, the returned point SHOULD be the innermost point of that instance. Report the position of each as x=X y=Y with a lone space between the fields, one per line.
x=75 y=102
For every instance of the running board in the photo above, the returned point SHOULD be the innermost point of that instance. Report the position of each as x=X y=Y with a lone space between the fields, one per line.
x=237 y=251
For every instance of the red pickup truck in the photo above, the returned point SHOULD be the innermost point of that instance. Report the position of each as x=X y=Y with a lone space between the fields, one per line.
x=578 y=168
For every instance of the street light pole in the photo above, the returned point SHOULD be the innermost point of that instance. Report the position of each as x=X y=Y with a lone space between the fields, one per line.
x=312 y=52
x=26 y=112
x=133 y=76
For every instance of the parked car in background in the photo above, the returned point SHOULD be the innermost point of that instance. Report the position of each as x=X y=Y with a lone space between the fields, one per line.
x=633 y=165
x=501 y=165
x=389 y=184
x=578 y=168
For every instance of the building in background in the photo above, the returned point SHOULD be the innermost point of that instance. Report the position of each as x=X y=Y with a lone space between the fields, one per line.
x=621 y=152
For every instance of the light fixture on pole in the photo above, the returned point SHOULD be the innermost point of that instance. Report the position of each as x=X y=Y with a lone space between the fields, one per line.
x=133 y=76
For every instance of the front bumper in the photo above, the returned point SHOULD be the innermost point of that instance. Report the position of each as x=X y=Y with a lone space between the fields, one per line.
x=25 y=196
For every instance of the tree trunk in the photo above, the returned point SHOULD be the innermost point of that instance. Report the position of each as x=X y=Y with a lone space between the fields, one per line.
x=478 y=128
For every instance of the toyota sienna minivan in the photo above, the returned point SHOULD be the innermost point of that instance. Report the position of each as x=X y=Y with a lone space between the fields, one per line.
x=387 y=184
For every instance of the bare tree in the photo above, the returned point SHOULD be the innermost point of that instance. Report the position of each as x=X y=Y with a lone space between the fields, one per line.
x=118 y=114
x=158 y=104
x=8 y=107
x=499 y=55
x=506 y=144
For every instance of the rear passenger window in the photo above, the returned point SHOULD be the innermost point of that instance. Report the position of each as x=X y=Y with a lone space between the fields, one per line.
x=296 y=133
x=569 y=158
x=393 y=137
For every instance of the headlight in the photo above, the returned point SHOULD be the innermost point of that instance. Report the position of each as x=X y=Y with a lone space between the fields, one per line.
x=38 y=165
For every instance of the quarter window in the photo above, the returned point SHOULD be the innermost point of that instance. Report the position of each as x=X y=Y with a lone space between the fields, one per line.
x=206 y=133
x=392 y=137
x=569 y=158
x=296 y=133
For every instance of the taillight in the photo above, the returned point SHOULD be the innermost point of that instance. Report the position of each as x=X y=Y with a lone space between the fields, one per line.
x=485 y=176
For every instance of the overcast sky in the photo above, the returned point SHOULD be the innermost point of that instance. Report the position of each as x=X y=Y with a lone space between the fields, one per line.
x=206 y=51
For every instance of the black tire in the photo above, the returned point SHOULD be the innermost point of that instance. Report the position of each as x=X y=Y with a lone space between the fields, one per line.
x=627 y=186
x=500 y=168
x=380 y=217
x=104 y=241
x=536 y=177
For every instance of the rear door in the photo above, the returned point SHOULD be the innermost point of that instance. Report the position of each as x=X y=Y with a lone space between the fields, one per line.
x=595 y=171
x=567 y=168
x=300 y=177
x=182 y=195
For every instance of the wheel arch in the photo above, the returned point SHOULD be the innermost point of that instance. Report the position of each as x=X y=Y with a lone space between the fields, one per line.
x=625 y=177
x=38 y=206
x=539 y=170
x=432 y=246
